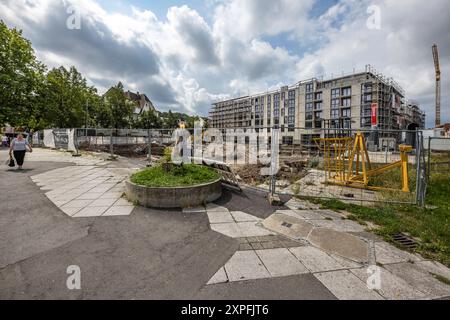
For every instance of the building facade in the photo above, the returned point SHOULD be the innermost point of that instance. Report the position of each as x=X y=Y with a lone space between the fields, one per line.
x=141 y=101
x=357 y=101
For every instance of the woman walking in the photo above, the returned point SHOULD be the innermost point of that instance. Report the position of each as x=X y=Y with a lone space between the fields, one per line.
x=18 y=148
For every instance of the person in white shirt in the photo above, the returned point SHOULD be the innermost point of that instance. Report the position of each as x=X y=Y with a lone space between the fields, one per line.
x=18 y=148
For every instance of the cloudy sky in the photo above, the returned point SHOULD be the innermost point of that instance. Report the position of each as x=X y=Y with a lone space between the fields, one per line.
x=186 y=54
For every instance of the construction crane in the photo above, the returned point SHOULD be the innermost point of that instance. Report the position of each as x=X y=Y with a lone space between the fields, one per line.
x=438 y=84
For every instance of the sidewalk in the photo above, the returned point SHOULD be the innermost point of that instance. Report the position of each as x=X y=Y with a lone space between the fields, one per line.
x=63 y=211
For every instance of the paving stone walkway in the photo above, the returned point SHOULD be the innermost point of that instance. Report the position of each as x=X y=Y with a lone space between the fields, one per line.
x=89 y=189
x=305 y=240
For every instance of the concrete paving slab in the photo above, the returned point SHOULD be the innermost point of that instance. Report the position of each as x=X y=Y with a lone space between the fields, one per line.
x=228 y=229
x=70 y=211
x=346 y=262
x=219 y=217
x=59 y=203
x=339 y=225
x=251 y=229
x=391 y=286
x=297 y=287
x=122 y=202
x=118 y=211
x=340 y=243
x=280 y=262
x=111 y=195
x=90 y=196
x=65 y=197
x=308 y=214
x=77 y=204
x=435 y=268
x=245 y=265
x=102 y=203
x=346 y=286
x=219 y=277
x=240 y=216
x=211 y=207
x=386 y=254
x=420 y=279
x=90 y=212
x=315 y=259
x=288 y=226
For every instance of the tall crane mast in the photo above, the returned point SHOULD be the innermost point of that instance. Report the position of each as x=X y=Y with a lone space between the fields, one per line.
x=438 y=84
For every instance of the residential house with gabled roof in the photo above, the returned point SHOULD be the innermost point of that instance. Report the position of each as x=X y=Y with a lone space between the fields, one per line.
x=141 y=101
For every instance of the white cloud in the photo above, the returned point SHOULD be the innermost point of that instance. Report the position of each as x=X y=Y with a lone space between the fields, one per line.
x=183 y=62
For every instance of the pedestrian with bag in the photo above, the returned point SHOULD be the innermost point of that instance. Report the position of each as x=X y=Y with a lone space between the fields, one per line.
x=18 y=148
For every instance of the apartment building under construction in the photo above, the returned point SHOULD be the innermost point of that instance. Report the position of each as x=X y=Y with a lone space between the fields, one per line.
x=361 y=100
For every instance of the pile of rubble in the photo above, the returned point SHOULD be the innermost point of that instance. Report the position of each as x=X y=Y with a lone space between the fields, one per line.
x=290 y=171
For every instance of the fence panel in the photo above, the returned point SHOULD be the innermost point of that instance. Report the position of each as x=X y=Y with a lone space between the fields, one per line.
x=438 y=157
x=356 y=165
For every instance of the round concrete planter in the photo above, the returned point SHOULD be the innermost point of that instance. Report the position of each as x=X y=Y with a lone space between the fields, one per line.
x=174 y=197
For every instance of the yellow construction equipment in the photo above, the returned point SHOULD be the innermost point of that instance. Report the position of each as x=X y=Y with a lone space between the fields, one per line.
x=347 y=163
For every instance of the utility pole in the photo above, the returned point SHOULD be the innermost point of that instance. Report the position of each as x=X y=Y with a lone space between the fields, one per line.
x=86 y=119
x=438 y=84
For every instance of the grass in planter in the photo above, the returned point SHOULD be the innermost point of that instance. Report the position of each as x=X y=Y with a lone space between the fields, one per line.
x=188 y=174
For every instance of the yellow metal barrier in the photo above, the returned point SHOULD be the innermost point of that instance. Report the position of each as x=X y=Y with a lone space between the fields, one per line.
x=347 y=163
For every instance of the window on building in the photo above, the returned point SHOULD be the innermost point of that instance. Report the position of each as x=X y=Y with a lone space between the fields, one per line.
x=319 y=96
x=335 y=93
x=366 y=87
x=308 y=124
x=291 y=104
x=318 y=114
x=309 y=87
x=347 y=102
x=309 y=97
x=335 y=103
x=346 y=113
x=318 y=106
x=309 y=116
x=288 y=140
x=367 y=98
x=291 y=111
x=309 y=106
x=291 y=94
x=318 y=124
x=334 y=113
x=346 y=91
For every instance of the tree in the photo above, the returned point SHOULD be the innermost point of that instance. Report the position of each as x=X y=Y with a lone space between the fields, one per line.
x=70 y=102
x=170 y=120
x=119 y=107
x=21 y=79
x=148 y=120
